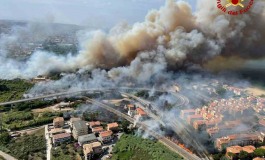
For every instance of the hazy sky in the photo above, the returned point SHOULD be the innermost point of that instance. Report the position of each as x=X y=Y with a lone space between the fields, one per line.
x=97 y=13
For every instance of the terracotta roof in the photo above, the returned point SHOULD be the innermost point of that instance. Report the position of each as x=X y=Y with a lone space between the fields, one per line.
x=105 y=133
x=262 y=122
x=57 y=130
x=112 y=125
x=58 y=119
x=62 y=135
x=194 y=116
x=97 y=129
x=140 y=111
x=249 y=149
x=234 y=149
x=199 y=122
x=94 y=123
x=188 y=110
x=88 y=148
x=258 y=158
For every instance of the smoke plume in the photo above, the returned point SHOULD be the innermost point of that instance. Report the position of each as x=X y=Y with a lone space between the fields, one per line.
x=169 y=38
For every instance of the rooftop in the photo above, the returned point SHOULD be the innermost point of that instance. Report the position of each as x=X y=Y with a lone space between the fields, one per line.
x=249 y=149
x=188 y=110
x=88 y=148
x=57 y=130
x=79 y=125
x=105 y=133
x=234 y=149
x=97 y=129
x=74 y=119
x=94 y=123
x=113 y=125
x=58 y=119
x=62 y=135
x=87 y=137
x=140 y=111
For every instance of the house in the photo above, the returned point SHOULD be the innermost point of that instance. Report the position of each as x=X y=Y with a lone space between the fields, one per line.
x=97 y=129
x=185 y=113
x=79 y=129
x=62 y=137
x=258 y=158
x=74 y=119
x=238 y=139
x=192 y=118
x=113 y=126
x=94 y=124
x=131 y=110
x=249 y=149
x=55 y=131
x=86 y=139
x=105 y=136
x=199 y=125
x=235 y=150
x=58 y=122
x=141 y=113
x=91 y=149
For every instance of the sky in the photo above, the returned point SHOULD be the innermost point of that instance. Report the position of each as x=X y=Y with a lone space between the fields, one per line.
x=95 y=13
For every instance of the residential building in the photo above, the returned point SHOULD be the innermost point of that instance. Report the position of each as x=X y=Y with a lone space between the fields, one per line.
x=131 y=110
x=238 y=139
x=91 y=149
x=185 y=113
x=235 y=150
x=192 y=118
x=56 y=131
x=105 y=136
x=97 y=129
x=258 y=158
x=141 y=113
x=94 y=124
x=86 y=139
x=199 y=125
x=62 y=137
x=74 y=119
x=58 y=122
x=79 y=129
x=113 y=126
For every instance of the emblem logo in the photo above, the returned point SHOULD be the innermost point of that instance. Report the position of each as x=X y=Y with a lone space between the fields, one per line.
x=235 y=7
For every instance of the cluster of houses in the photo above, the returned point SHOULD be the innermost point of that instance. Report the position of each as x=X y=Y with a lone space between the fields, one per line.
x=222 y=120
x=91 y=136
x=233 y=151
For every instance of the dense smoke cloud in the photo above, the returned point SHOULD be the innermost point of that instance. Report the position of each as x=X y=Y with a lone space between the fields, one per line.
x=170 y=37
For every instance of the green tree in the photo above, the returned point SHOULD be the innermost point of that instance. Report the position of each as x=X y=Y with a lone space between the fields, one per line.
x=4 y=138
x=125 y=124
x=259 y=152
x=243 y=155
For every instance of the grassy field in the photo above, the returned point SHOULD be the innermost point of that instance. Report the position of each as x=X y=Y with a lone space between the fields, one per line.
x=13 y=89
x=28 y=147
x=16 y=120
x=135 y=148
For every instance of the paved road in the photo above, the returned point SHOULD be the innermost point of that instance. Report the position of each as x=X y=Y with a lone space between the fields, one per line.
x=80 y=92
x=174 y=125
x=48 y=143
x=171 y=145
x=7 y=156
